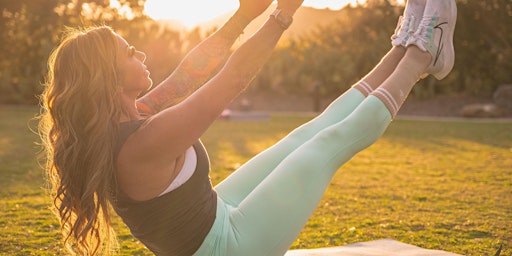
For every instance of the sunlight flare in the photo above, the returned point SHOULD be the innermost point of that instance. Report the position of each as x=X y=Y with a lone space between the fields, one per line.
x=193 y=12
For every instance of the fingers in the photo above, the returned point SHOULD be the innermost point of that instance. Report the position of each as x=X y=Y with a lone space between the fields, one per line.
x=253 y=8
x=289 y=6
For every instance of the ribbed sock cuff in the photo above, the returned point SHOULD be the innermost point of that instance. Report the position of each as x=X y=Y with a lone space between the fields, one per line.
x=387 y=99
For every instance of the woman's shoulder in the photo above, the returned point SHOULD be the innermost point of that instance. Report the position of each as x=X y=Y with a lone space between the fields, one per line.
x=126 y=129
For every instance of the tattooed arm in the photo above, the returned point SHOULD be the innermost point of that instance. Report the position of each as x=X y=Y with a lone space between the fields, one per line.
x=202 y=62
x=166 y=135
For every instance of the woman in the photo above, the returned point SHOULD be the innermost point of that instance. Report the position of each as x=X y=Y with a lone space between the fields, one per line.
x=143 y=156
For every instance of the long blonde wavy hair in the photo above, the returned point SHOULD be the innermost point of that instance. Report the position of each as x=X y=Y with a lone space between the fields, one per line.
x=78 y=127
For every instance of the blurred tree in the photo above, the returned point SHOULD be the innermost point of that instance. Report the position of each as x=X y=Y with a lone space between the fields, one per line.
x=30 y=29
x=26 y=39
x=338 y=54
x=483 y=42
x=334 y=55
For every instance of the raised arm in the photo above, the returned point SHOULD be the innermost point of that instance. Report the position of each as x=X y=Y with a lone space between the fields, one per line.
x=174 y=129
x=202 y=62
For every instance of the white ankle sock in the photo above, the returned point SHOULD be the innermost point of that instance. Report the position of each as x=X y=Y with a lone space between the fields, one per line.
x=387 y=98
x=363 y=87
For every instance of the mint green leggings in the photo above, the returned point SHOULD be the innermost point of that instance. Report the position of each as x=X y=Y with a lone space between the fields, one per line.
x=263 y=206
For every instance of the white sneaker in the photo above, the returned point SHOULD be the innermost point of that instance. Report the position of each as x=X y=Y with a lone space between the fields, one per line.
x=435 y=35
x=408 y=23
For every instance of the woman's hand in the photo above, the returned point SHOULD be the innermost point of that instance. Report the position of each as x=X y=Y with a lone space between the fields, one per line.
x=253 y=8
x=289 y=6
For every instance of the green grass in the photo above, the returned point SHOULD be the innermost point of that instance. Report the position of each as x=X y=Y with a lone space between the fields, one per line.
x=438 y=185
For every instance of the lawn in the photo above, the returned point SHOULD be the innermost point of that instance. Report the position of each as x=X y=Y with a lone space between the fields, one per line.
x=434 y=184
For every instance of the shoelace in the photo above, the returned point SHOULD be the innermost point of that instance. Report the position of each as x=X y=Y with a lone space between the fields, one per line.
x=412 y=22
x=425 y=28
x=405 y=26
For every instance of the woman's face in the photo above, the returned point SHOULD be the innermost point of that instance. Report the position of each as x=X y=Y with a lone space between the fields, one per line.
x=133 y=75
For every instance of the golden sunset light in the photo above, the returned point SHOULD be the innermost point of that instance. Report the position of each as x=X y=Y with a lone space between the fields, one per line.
x=193 y=12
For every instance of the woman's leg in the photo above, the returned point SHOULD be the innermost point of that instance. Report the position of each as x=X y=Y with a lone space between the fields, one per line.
x=395 y=89
x=268 y=220
x=239 y=184
x=270 y=217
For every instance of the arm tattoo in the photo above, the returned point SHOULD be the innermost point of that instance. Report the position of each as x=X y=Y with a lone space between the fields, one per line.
x=197 y=67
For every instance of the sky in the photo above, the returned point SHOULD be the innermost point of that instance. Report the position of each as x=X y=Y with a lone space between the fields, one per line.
x=193 y=12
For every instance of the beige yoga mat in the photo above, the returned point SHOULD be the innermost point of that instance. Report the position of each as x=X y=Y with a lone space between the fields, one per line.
x=383 y=247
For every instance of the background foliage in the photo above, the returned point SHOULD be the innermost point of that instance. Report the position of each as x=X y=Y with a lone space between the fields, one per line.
x=332 y=56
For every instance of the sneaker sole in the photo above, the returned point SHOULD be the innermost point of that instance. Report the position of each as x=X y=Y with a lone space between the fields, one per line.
x=448 y=42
